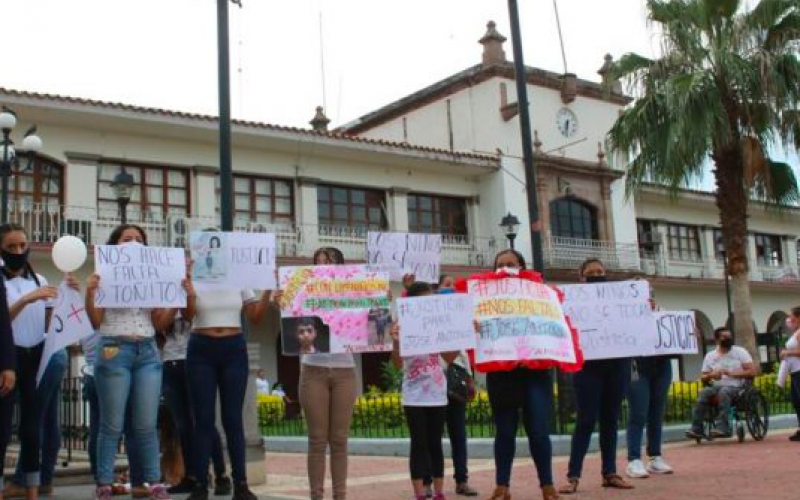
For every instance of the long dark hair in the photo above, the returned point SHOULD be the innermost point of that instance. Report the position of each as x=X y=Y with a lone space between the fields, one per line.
x=515 y=253
x=419 y=288
x=116 y=234
x=11 y=227
x=590 y=261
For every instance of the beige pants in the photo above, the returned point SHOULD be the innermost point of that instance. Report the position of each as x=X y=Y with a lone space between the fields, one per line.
x=327 y=396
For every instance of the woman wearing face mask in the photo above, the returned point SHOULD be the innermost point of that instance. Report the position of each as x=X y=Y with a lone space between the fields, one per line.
x=599 y=389
x=791 y=363
x=127 y=372
x=30 y=306
x=521 y=385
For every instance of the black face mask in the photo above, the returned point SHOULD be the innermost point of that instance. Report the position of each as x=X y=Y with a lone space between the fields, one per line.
x=596 y=279
x=15 y=262
x=726 y=343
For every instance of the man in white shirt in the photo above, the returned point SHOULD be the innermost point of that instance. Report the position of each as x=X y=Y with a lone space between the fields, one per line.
x=262 y=384
x=726 y=368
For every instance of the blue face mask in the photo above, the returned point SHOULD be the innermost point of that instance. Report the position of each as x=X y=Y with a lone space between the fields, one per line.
x=445 y=291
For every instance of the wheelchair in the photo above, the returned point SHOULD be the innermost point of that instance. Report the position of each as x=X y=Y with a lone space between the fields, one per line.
x=749 y=409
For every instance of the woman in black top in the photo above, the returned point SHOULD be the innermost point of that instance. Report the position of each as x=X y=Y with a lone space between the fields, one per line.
x=7 y=378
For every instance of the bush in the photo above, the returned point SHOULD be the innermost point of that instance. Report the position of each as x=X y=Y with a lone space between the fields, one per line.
x=271 y=409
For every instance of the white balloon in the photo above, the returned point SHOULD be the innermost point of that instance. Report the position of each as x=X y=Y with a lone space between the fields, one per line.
x=69 y=253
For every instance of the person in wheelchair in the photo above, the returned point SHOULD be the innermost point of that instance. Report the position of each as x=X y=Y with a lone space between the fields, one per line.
x=726 y=368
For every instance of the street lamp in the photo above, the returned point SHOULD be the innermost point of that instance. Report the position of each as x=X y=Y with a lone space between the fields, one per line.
x=721 y=251
x=31 y=143
x=510 y=224
x=123 y=189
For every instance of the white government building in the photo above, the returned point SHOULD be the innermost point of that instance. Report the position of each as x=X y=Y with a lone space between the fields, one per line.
x=445 y=159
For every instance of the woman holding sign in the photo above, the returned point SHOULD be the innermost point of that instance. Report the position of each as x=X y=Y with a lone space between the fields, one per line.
x=424 y=403
x=599 y=389
x=526 y=385
x=127 y=372
x=217 y=361
x=327 y=395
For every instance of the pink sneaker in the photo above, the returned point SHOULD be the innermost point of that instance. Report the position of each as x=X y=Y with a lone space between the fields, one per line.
x=103 y=493
x=159 y=492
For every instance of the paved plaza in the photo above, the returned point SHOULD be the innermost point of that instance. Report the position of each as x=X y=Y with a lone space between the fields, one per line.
x=723 y=470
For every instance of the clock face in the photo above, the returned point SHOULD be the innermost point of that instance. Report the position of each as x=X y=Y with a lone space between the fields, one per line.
x=567 y=122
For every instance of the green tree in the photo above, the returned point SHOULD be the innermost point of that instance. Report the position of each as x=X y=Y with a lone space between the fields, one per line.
x=724 y=90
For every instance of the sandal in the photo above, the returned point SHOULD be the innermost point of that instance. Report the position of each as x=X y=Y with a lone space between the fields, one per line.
x=615 y=481
x=571 y=487
x=549 y=492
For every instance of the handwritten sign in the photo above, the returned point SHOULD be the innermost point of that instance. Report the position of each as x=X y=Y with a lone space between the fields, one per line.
x=434 y=324
x=69 y=324
x=233 y=260
x=520 y=320
x=677 y=333
x=406 y=253
x=615 y=319
x=134 y=275
x=351 y=301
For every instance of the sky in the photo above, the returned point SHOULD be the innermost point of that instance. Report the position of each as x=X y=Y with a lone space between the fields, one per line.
x=289 y=56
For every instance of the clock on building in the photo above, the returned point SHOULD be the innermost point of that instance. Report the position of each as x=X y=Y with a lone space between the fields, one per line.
x=567 y=122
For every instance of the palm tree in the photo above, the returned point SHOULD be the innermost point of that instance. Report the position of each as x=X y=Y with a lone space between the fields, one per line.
x=725 y=90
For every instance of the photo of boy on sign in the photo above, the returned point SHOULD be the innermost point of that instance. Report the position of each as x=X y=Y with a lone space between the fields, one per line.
x=304 y=335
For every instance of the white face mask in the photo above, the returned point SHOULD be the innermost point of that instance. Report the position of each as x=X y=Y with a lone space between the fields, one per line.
x=508 y=270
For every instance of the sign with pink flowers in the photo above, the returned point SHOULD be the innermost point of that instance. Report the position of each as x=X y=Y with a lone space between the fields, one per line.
x=520 y=320
x=334 y=309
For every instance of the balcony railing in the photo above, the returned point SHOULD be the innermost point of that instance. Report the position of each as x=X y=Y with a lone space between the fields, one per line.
x=569 y=253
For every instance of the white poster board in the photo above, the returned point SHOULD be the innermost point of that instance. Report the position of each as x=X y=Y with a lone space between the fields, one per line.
x=614 y=319
x=677 y=333
x=436 y=323
x=134 y=275
x=69 y=324
x=406 y=253
x=244 y=261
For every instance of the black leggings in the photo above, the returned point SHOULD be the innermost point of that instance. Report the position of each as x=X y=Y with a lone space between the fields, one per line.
x=30 y=416
x=6 y=411
x=426 y=427
x=795 y=393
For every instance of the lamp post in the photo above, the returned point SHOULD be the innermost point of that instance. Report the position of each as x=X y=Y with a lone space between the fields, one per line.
x=31 y=143
x=721 y=250
x=510 y=224
x=123 y=188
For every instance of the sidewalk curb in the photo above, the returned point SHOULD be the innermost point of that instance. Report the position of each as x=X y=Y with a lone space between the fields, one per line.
x=484 y=447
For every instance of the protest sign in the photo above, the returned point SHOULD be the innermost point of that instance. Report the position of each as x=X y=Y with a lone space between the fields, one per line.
x=134 y=275
x=233 y=260
x=406 y=253
x=614 y=319
x=434 y=324
x=351 y=301
x=676 y=333
x=520 y=320
x=68 y=324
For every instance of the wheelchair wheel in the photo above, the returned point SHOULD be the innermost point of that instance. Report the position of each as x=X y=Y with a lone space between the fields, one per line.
x=757 y=415
x=740 y=431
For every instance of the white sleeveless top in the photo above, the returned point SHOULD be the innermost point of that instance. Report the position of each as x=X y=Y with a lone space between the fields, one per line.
x=792 y=362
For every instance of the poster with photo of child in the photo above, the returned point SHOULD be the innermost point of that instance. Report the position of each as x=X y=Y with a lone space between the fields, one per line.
x=304 y=335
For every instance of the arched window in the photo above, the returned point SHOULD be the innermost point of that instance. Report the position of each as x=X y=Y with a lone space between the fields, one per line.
x=572 y=218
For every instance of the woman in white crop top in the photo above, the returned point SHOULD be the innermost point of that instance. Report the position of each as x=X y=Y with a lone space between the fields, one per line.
x=127 y=372
x=217 y=360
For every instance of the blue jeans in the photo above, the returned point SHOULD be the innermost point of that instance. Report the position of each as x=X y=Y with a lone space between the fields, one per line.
x=532 y=391
x=599 y=390
x=647 y=399
x=218 y=364
x=48 y=393
x=134 y=464
x=128 y=373
x=176 y=396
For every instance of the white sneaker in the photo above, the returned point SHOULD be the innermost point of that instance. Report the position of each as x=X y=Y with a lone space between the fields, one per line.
x=636 y=470
x=658 y=465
